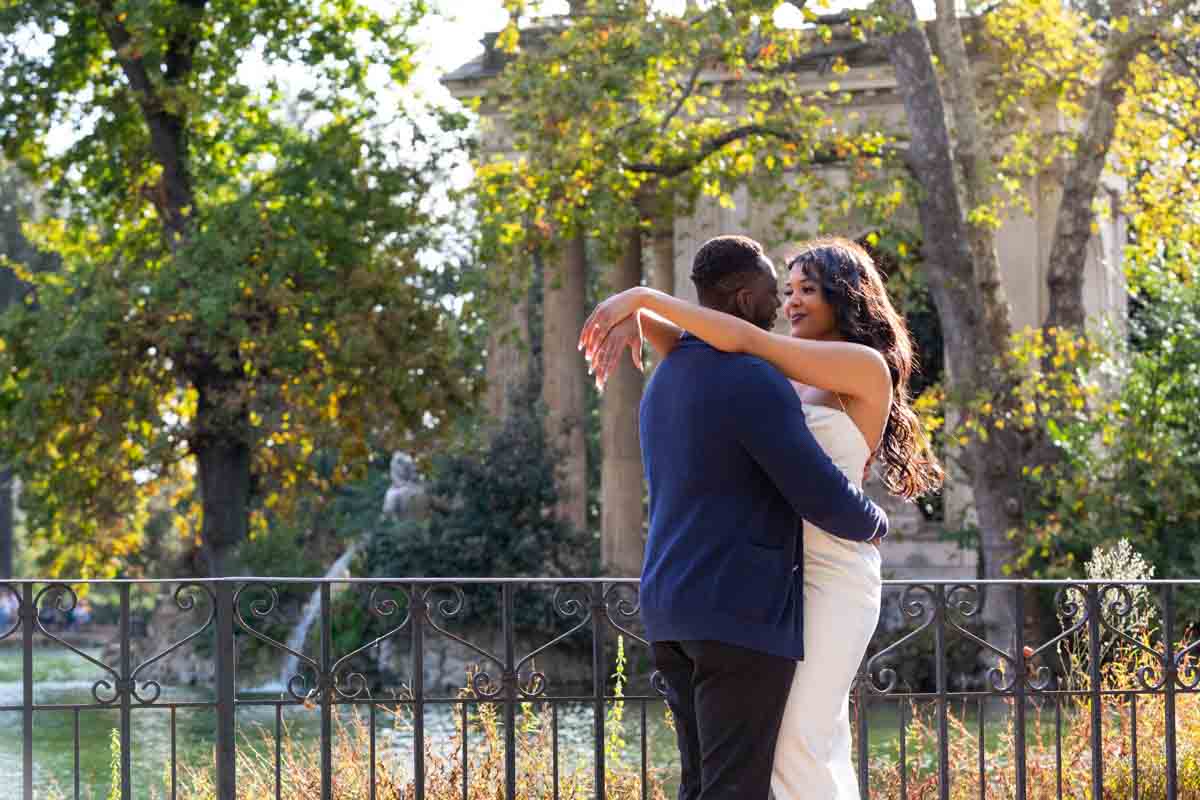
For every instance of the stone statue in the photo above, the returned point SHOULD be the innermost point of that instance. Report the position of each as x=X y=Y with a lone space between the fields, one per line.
x=406 y=494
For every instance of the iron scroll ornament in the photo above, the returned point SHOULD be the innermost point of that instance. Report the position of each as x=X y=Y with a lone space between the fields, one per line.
x=910 y=606
x=19 y=606
x=185 y=602
x=381 y=607
x=65 y=601
x=567 y=606
x=261 y=608
x=448 y=608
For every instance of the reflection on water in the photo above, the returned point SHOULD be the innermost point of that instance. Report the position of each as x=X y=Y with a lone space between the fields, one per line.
x=63 y=679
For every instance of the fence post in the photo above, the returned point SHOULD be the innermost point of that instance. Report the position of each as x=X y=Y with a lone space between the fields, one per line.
x=1169 y=684
x=28 y=621
x=1094 y=611
x=598 y=684
x=1020 y=668
x=324 y=684
x=226 y=754
x=510 y=692
x=864 y=736
x=419 y=611
x=943 y=725
x=125 y=688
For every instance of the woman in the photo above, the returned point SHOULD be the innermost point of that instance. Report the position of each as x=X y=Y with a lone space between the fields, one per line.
x=850 y=359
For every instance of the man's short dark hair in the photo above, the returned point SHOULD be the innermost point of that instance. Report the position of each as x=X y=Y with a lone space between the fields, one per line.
x=723 y=263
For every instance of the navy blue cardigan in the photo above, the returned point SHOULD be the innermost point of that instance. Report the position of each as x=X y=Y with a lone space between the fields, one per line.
x=732 y=467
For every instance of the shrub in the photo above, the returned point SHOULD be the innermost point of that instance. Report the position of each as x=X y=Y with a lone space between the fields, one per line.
x=491 y=513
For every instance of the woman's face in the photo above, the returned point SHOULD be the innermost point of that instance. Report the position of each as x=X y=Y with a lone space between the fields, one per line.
x=807 y=312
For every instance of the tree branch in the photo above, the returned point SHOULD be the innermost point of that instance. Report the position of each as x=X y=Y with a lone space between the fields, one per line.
x=840 y=18
x=167 y=131
x=693 y=79
x=135 y=70
x=183 y=46
x=820 y=157
x=973 y=159
x=676 y=168
x=822 y=56
x=1073 y=223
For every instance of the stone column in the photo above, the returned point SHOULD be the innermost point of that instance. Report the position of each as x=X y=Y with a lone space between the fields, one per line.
x=622 y=539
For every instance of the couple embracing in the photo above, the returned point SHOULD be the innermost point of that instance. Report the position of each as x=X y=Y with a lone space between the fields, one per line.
x=761 y=584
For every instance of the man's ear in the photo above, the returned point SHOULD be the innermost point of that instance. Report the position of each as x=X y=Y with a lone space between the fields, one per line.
x=743 y=302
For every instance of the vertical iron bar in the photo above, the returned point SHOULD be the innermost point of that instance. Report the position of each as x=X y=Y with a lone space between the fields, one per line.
x=1058 y=744
x=371 y=772
x=554 y=746
x=420 y=609
x=982 y=766
x=903 y=752
x=860 y=709
x=279 y=751
x=28 y=622
x=466 y=760
x=510 y=694
x=324 y=685
x=1019 y=688
x=598 y=684
x=1169 y=678
x=1093 y=603
x=76 y=737
x=943 y=732
x=644 y=775
x=226 y=759
x=174 y=762
x=125 y=689
x=1133 y=734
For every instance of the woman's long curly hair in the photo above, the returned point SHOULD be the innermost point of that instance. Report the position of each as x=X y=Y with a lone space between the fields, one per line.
x=851 y=284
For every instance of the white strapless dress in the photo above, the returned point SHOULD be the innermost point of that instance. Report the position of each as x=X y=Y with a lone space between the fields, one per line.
x=841 y=608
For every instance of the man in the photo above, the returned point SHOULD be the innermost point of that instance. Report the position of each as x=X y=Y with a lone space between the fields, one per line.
x=732 y=468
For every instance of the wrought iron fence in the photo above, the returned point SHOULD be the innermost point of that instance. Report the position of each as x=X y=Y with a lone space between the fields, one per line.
x=1072 y=705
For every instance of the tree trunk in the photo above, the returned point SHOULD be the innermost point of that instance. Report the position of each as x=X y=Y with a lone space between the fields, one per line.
x=662 y=244
x=13 y=245
x=622 y=539
x=223 y=458
x=6 y=523
x=974 y=160
x=564 y=377
x=971 y=350
x=507 y=365
x=10 y=245
x=1073 y=225
x=662 y=275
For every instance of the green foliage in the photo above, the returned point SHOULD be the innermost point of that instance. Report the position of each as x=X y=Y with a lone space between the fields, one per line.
x=16 y=205
x=353 y=620
x=114 y=766
x=1131 y=463
x=1121 y=411
x=231 y=276
x=623 y=119
x=278 y=550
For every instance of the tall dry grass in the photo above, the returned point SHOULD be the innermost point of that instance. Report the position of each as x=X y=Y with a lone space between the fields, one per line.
x=1132 y=666
x=300 y=773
